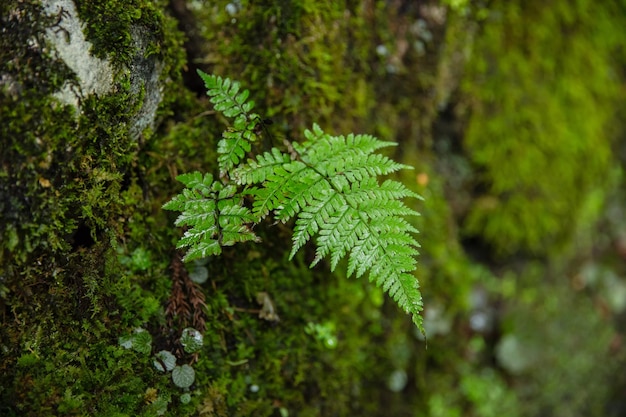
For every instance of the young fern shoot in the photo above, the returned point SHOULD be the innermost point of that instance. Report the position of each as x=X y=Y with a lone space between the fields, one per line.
x=328 y=184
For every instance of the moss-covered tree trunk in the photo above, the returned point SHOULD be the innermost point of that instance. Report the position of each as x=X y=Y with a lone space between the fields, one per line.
x=506 y=110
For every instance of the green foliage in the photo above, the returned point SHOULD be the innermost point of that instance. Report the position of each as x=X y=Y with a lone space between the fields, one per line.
x=183 y=376
x=324 y=333
x=215 y=214
x=227 y=99
x=328 y=184
x=140 y=341
x=54 y=360
x=192 y=340
x=185 y=398
x=164 y=361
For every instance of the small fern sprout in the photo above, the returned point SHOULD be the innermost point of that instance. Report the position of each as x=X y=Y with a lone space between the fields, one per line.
x=328 y=184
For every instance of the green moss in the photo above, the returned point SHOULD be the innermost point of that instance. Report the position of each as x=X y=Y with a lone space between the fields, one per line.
x=110 y=25
x=259 y=366
x=298 y=59
x=86 y=250
x=102 y=268
x=349 y=66
x=104 y=288
x=68 y=192
x=545 y=107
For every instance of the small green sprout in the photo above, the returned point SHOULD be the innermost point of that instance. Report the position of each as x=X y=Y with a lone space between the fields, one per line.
x=183 y=376
x=164 y=361
x=192 y=340
x=324 y=333
x=140 y=341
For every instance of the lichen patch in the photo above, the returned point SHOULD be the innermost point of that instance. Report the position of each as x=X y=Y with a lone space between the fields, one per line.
x=95 y=75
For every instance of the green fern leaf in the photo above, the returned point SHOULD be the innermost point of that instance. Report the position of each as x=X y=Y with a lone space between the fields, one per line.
x=231 y=102
x=332 y=191
x=232 y=148
x=318 y=139
x=225 y=96
x=365 y=220
x=213 y=214
x=279 y=187
x=312 y=216
x=257 y=171
x=328 y=184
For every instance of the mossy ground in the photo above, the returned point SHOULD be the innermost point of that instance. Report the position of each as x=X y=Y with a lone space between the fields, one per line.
x=86 y=249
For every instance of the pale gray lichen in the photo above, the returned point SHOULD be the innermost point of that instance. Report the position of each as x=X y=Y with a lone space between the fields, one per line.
x=98 y=76
x=95 y=75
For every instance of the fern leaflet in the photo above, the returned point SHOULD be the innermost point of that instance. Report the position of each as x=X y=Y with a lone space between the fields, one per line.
x=214 y=214
x=231 y=102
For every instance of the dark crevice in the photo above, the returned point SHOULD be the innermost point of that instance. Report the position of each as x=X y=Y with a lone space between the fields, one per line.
x=193 y=46
x=82 y=238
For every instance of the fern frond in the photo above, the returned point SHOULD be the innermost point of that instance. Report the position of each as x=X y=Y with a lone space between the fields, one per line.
x=231 y=102
x=367 y=227
x=226 y=97
x=214 y=214
x=312 y=216
x=359 y=218
x=342 y=231
x=235 y=143
x=389 y=252
x=328 y=184
x=333 y=192
x=352 y=156
x=318 y=139
x=280 y=186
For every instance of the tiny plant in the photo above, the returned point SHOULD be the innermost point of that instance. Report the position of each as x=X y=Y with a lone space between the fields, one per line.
x=328 y=184
x=325 y=333
x=183 y=376
x=191 y=340
x=164 y=361
x=140 y=341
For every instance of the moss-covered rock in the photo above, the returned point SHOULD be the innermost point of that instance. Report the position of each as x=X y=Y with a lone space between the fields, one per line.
x=87 y=255
x=69 y=194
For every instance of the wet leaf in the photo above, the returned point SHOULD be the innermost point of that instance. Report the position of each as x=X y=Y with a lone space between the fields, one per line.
x=164 y=361
x=183 y=376
x=192 y=340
